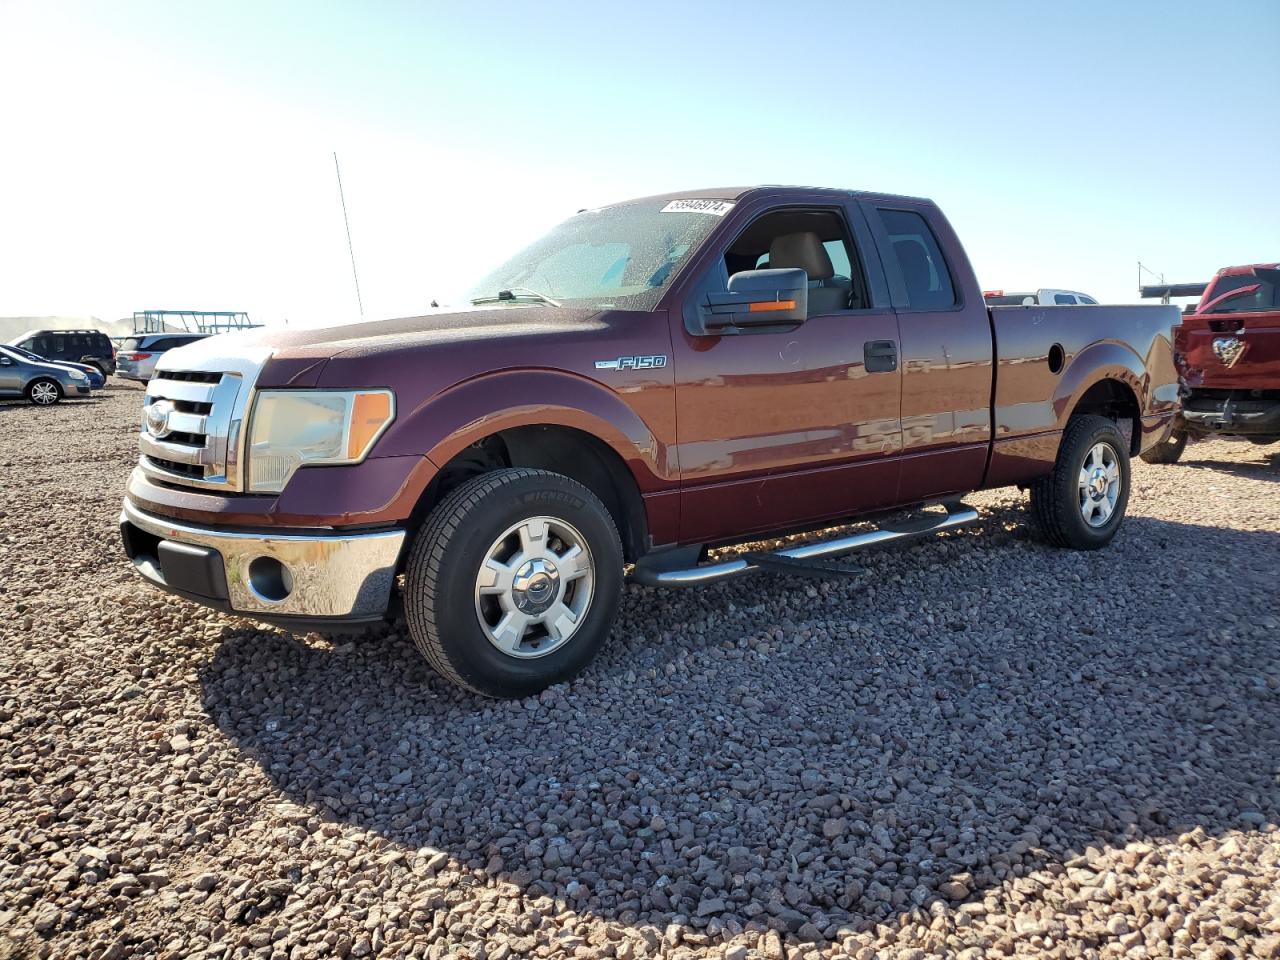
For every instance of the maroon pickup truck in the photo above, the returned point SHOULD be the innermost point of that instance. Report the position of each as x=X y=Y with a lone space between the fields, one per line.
x=648 y=380
x=1228 y=354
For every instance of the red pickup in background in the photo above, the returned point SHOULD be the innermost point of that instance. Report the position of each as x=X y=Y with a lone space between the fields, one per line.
x=1228 y=355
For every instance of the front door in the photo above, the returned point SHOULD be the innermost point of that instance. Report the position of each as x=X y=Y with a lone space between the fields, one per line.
x=784 y=428
x=10 y=373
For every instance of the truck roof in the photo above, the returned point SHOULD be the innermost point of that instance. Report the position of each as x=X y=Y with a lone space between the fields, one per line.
x=1245 y=269
x=774 y=190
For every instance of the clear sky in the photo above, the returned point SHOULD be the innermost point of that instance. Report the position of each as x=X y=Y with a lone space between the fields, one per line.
x=179 y=155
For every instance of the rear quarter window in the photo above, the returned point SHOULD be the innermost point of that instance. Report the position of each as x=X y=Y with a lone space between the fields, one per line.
x=923 y=269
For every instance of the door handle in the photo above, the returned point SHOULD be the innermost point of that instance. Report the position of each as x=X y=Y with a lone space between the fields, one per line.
x=880 y=356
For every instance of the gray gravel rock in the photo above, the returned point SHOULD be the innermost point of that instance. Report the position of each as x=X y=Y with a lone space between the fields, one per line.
x=981 y=747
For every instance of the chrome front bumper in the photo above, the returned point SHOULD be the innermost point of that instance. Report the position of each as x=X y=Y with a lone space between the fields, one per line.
x=330 y=576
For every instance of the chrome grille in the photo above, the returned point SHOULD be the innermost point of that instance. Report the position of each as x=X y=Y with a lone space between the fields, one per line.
x=192 y=418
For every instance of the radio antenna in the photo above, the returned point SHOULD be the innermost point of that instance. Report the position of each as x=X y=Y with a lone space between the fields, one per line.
x=350 y=249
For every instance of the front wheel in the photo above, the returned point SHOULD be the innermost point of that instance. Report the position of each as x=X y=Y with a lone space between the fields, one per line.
x=513 y=582
x=44 y=393
x=1081 y=503
x=1170 y=451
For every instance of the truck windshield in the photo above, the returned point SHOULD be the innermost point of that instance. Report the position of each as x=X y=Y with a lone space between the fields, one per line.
x=615 y=257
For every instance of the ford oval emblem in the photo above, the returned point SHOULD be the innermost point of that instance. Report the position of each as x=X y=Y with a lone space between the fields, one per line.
x=157 y=416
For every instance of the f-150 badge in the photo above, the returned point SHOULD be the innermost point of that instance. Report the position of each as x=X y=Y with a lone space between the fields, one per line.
x=1228 y=350
x=632 y=363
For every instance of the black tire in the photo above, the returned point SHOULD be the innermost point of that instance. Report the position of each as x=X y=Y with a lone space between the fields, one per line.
x=99 y=367
x=1057 y=500
x=1170 y=451
x=440 y=590
x=37 y=391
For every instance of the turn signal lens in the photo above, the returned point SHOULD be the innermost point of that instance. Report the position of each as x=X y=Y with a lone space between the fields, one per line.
x=771 y=305
x=369 y=414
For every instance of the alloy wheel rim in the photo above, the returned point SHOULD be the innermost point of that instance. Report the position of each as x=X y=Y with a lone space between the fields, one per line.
x=44 y=393
x=1099 y=484
x=534 y=587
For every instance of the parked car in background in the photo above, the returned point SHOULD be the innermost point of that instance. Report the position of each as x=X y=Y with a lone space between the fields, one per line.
x=1228 y=353
x=1039 y=298
x=97 y=379
x=138 y=355
x=40 y=382
x=633 y=389
x=79 y=346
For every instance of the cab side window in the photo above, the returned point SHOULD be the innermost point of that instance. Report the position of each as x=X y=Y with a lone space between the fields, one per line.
x=815 y=241
x=1064 y=300
x=919 y=258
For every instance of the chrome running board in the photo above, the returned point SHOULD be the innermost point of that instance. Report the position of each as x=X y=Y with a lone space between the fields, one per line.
x=957 y=515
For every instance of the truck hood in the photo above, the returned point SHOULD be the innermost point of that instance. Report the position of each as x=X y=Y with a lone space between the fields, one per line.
x=299 y=355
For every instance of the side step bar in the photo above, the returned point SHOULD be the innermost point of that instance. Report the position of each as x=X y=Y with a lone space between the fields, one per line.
x=957 y=515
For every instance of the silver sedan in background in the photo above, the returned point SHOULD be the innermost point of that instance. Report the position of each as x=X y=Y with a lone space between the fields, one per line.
x=42 y=383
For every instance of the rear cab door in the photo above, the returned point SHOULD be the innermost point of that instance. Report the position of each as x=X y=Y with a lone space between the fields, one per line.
x=947 y=349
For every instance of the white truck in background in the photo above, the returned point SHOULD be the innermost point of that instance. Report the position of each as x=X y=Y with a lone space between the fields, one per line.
x=1043 y=297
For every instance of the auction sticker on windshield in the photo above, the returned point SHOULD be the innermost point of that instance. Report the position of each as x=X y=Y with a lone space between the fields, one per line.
x=717 y=208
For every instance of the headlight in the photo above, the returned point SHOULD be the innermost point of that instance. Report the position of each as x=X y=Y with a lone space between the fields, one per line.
x=77 y=375
x=290 y=428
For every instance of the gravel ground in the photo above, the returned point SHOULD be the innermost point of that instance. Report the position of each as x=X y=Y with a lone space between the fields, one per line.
x=982 y=747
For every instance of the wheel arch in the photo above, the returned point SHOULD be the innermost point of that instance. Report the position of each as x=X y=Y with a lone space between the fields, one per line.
x=546 y=419
x=42 y=378
x=1107 y=380
x=561 y=449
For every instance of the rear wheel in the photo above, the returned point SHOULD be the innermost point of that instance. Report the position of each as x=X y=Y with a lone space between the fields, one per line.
x=1169 y=451
x=44 y=392
x=1082 y=502
x=513 y=582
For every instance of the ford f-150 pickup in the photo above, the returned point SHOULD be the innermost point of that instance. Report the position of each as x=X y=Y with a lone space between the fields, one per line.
x=1228 y=353
x=647 y=381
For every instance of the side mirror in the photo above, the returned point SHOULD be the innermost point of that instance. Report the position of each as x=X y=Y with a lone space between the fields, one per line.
x=5 y=362
x=759 y=298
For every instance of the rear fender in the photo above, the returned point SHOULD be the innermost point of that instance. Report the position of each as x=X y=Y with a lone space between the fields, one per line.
x=1098 y=362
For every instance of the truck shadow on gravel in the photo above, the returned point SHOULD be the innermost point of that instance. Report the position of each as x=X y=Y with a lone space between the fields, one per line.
x=1266 y=467
x=812 y=757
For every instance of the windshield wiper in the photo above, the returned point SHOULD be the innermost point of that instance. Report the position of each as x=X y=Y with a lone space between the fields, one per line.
x=517 y=293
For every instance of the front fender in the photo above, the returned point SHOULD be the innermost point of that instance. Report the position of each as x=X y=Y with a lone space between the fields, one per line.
x=448 y=422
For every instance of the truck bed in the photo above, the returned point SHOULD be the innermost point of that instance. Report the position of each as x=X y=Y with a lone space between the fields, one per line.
x=1042 y=355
